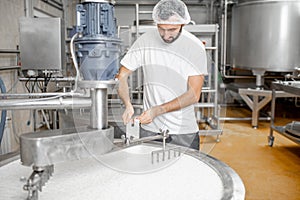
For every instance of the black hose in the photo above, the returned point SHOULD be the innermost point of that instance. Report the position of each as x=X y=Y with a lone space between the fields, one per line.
x=3 y=113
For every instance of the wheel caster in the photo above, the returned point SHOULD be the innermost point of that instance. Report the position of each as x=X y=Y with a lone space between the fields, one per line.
x=218 y=139
x=271 y=140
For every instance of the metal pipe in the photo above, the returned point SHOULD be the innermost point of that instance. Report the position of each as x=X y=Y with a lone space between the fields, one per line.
x=9 y=51
x=222 y=36
x=98 y=1
x=138 y=141
x=216 y=74
x=137 y=20
x=99 y=110
x=207 y=91
x=54 y=119
x=224 y=44
x=46 y=120
x=54 y=4
x=59 y=79
x=148 y=139
x=139 y=73
x=58 y=94
x=265 y=1
x=225 y=34
x=121 y=27
x=243 y=118
x=149 y=3
x=259 y=80
x=57 y=3
x=212 y=21
x=99 y=105
x=45 y=103
x=28 y=8
x=2 y=68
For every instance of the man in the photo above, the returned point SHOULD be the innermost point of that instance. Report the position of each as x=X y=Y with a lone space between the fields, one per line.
x=174 y=64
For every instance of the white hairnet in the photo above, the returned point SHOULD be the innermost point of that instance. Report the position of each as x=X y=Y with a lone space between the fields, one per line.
x=171 y=12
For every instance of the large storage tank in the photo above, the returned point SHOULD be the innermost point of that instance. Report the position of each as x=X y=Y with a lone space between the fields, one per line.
x=266 y=35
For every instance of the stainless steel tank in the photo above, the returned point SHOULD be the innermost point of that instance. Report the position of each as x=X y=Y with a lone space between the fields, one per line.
x=128 y=173
x=266 y=35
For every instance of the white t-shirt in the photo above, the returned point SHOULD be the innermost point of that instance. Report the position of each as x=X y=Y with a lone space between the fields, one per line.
x=166 y=69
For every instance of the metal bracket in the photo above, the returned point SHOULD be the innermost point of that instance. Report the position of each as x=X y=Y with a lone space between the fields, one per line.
x=37 y=180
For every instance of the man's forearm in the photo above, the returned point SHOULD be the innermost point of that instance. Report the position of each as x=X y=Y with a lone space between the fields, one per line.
x=123 y=89
x=188 y=98
x=182 y=101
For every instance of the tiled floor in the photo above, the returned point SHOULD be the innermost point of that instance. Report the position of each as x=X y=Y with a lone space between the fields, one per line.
x=267 y=172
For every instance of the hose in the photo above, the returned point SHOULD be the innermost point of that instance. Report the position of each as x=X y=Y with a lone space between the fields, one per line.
x=72 y=48
x=3 y=112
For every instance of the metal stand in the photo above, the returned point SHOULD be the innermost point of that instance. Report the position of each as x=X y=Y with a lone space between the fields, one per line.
x=209 y=99
x=280 y=129
x=259 y=99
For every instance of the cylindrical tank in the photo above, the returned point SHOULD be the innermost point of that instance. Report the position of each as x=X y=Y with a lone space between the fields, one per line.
x=266 y=35
x=98 y=47
x=129 y=173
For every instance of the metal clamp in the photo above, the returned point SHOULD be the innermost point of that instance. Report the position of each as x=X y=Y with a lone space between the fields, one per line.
x=37 y=180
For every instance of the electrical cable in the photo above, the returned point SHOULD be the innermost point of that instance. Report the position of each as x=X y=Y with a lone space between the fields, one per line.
x=3 y=113
x=26 y=85
x=74 y=62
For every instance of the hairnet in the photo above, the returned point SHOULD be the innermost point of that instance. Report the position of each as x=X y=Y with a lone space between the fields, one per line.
x=171 y=12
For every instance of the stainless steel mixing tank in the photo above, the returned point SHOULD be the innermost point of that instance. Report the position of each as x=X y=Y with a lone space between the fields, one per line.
x=265 y=35
x=128 y=173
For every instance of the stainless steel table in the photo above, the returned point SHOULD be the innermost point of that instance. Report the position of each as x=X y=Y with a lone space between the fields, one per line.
x=290 y=130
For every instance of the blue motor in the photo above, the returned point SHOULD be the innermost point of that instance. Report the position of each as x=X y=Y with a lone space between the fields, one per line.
x=98 y=47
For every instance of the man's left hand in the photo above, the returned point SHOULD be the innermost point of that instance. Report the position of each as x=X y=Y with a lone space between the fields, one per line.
x=147 y=116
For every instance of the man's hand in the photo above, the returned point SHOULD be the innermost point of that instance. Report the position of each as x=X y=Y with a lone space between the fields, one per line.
x=128 y=113
x=148 y=116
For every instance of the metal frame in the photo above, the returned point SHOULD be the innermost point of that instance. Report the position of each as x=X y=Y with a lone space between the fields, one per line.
x=280 y=129
x=260 y=98
x=11 y=51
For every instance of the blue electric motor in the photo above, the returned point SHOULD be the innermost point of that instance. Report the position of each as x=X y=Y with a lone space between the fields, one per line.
x=98 y=47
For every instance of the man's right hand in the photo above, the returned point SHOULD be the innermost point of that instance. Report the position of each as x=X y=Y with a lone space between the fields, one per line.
x=128 y=113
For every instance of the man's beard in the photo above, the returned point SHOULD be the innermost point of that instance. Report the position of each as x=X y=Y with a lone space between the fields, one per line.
x=172 y=39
